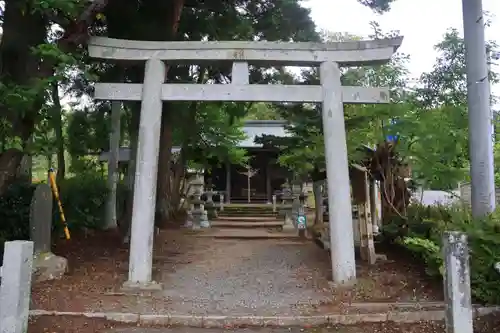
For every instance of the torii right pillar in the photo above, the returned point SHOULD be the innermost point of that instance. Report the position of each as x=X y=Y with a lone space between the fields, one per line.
x=337 y=171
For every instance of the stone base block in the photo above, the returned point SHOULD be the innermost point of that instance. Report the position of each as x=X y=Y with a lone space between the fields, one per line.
x=48 y=266
x=130 y=286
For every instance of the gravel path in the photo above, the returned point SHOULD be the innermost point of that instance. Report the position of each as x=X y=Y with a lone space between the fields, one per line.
x=215 y=276
x=489 y=324
x=261 y=277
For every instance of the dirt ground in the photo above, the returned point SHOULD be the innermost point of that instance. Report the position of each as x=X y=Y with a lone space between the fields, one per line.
x=85 y=325
x=202 y=275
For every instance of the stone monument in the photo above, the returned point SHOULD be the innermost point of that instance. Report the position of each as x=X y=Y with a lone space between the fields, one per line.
x=46 y=265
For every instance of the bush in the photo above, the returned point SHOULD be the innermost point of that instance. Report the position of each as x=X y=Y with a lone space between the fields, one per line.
x=421 y=234
x=83 y=199
x=15 y=212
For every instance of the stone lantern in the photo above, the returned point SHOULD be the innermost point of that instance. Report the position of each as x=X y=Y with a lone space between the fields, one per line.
x=197 y=213
x=210 y=204
x=286 y=211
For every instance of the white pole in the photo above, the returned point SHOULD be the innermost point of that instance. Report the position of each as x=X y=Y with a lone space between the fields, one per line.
x=148 y=147
x=480 y=115
x=113 y=159
x=337 y=171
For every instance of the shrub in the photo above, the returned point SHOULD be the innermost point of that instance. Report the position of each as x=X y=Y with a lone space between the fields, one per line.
x=84 y=201
x=421 y=234
x=15 y=213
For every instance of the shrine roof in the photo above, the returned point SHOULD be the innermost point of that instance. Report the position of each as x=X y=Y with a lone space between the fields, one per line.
x=251 y=128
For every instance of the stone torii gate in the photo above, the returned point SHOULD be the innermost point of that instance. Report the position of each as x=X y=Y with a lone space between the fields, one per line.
x=154 y=90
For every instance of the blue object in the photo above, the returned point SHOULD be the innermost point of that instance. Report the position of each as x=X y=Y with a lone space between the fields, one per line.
x=301 y=222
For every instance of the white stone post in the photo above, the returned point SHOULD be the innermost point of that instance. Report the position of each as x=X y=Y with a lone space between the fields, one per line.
x=113 y=159
x=15 y=291
x=337 y=170
x=143 y=214
x=457 y=283
x=274 y=203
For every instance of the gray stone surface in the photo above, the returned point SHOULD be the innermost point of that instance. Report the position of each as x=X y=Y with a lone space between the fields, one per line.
x=41 y=218
x=15 y=290
x=459 y=312
x=48 y=266
x=241 y=93
x=295 y=54
x=143 y=212
x=248 y=278
x=337 y=171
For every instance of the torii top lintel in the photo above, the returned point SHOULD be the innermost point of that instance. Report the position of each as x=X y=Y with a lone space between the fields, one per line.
x=350 y=53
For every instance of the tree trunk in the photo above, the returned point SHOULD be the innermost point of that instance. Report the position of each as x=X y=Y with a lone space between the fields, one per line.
x=126 y=218
x=318 y=201
x=163 y=206
x=23 y=29
x=57 y=123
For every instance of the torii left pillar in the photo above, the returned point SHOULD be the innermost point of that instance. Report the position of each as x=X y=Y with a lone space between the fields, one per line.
x=144 y=206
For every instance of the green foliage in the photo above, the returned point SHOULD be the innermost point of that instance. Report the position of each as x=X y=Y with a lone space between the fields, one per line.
x=84 y=201
x=15 y=212
x=379 y=6
x=262 y=111
x=421 y=234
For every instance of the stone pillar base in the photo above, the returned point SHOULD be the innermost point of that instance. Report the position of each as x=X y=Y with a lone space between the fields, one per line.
x=141 y=286
x=47 y=266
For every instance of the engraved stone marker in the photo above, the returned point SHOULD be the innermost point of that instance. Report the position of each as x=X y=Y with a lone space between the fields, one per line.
x=41 y=218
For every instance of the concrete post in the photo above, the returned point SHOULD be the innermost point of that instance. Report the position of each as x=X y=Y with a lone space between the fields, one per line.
x=480 y=115
x=15 y=290
x=337 y=170
x=457 y=283
x=114 y=151
x=143 y=214
x=228 y=182
x=221 y=202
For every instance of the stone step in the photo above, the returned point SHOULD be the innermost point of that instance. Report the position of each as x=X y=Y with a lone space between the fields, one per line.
x=244 y=224
x=248 y=234
x=269 y=215
x=249 y=209
x=248 y=218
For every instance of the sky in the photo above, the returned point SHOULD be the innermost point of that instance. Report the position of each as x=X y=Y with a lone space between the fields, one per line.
x=422 y=23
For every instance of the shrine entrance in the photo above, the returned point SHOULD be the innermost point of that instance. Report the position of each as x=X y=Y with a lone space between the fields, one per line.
x=328 y=56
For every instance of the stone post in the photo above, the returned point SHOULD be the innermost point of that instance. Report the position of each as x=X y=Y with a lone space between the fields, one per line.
x=144 y=206
x=274 y=203
x=47 y=266
x=457 y=291
x=221 y=196
x=41 y=218
x=337 y=171
x=113 y=159
x=15 y=290
x=228 y=182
